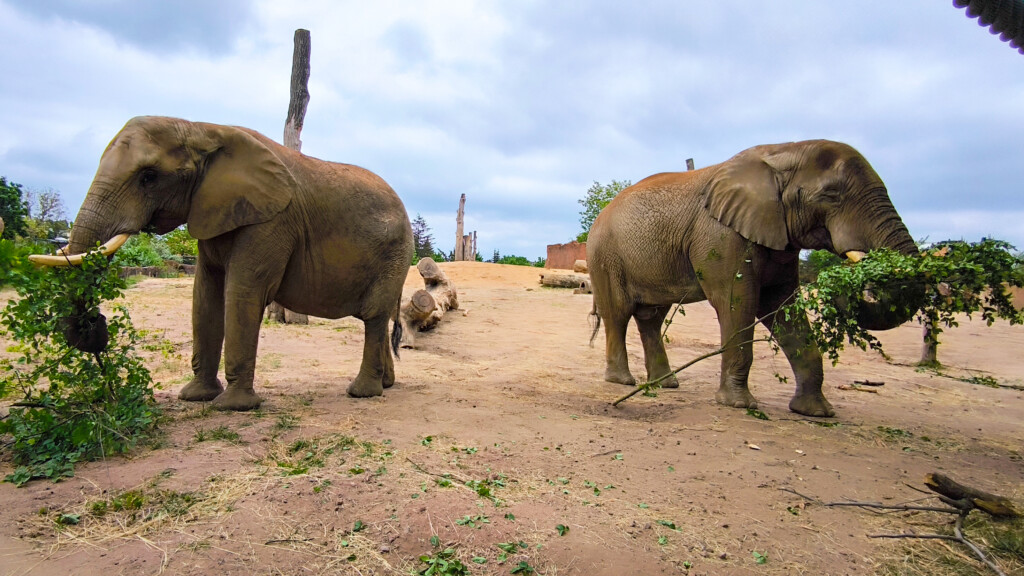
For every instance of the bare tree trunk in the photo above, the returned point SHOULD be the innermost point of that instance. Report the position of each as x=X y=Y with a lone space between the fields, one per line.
x=929 y=352
x=292 y=131
x=460 y=246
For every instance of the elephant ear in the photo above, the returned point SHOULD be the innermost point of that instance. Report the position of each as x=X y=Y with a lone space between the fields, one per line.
x=245 y=183
x=745 y=194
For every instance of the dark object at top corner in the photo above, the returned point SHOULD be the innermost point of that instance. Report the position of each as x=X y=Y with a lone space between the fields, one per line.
x=1003 y=17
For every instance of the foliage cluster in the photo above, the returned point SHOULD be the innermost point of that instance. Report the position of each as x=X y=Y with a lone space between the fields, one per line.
x=517 y=260
x=815 y=262
x=13 y=210
x=69 y=406
x=598 y=196
x=950 y=278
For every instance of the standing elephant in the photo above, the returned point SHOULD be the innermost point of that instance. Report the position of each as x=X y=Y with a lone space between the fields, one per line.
x=320 y=238
x=732 y=234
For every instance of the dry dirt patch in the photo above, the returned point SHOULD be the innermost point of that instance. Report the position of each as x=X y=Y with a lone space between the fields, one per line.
x=498 y=430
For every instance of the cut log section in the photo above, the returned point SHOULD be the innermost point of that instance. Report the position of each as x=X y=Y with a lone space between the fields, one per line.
x=426 y=307
x=580 y=267
x=564 y=279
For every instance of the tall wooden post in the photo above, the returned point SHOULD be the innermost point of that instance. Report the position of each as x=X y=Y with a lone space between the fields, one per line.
x=689 y=163
x=292 y=130
x=460 y=243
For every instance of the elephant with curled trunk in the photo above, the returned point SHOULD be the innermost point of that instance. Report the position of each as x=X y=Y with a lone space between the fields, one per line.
x=320 y=238
x=732 y=234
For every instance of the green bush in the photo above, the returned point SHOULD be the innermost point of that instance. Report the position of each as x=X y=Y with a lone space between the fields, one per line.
x=180 y=243
x=69 y=405
x=143 y=250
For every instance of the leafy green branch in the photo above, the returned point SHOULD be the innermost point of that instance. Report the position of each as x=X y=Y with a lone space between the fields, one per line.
x=68 y=405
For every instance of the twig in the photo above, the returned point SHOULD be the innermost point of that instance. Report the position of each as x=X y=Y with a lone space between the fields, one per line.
x=868 y=383
x=653 y=383
x=856 y=388
x=958 y=528
x=423 y=470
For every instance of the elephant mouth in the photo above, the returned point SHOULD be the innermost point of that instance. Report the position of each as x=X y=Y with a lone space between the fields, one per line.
x=62 y=259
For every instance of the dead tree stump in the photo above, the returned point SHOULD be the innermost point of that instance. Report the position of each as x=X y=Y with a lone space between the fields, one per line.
x=427 y=307
x=292 y=131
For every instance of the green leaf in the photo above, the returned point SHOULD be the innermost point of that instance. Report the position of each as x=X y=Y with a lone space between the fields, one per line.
x=562 y=529
x=358 y=526
x=760 y=558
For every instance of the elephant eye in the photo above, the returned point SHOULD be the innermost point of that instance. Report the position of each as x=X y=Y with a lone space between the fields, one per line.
x=148 y=177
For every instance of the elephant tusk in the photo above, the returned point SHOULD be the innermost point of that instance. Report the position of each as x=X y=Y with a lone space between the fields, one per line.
x=107 y=249
x=855 y=256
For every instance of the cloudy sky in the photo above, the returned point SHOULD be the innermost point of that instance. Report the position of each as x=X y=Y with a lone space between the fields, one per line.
x=523 y=105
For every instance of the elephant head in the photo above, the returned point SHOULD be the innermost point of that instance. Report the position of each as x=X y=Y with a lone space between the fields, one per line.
x=159 y=173
x=816 y=194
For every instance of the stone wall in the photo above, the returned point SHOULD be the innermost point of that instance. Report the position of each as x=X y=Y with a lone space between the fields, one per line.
x=562 y=256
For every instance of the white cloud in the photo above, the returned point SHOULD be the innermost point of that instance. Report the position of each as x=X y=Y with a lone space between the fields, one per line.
x=523 y=105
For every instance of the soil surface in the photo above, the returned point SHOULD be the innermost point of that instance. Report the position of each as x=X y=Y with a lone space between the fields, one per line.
x=499 y=431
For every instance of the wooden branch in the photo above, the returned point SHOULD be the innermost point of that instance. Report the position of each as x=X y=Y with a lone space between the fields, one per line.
x=868 y=383
x=991 y=504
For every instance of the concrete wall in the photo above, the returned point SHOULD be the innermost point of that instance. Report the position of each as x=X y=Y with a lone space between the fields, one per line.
x=562 y=256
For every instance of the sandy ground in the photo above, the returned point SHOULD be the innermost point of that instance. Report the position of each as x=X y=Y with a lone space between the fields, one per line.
x=500 y=430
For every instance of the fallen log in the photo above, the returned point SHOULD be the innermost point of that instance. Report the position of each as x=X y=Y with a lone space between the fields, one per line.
x=957 y=495
x=563 y=279
x=584 y=288
x=426 y=308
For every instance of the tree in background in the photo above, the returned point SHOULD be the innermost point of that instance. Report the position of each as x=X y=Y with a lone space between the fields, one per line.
x=12 y=209
x=180 y=244
x=423 y=240
x=815 y=262
x=47 y=219
x=598 y=196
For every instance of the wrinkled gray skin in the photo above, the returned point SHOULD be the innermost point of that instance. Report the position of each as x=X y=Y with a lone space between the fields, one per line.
x=731 y=234
x=320 y=238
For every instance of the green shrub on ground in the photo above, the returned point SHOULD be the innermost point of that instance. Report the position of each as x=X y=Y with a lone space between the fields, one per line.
x=69 y=406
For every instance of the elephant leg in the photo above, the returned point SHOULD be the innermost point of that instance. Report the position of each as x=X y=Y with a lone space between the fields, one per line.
x=242 y=333
x=736 y=323
x=617 y=363
x=793 y=336
x=649 y=320
x=376 y=355
x=207 y=335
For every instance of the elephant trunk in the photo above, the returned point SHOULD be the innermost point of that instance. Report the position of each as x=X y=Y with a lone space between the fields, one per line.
x=886 y=307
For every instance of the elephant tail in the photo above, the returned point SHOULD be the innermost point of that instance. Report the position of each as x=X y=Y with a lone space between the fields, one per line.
x=396 y=331
x=595 y=323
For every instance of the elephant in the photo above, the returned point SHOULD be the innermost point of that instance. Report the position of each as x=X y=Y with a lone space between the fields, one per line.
x=732 y=234
x=320 y=238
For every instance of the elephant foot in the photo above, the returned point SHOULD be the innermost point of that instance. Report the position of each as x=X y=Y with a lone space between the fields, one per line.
x=237 y=399
x=735 y=396
x=366 y=387
x=619 y=377
x=670 y=382
x=389 y=381
x=813 y=404
x=201 y=390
